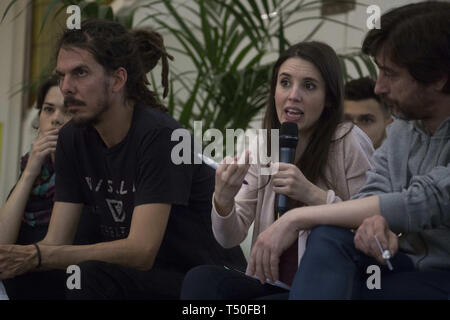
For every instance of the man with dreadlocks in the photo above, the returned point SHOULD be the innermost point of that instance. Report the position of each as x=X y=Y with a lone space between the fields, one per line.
x=115 y=155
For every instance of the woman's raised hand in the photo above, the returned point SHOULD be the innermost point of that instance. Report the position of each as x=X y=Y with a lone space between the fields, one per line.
x=229 y=178
x=44 y=145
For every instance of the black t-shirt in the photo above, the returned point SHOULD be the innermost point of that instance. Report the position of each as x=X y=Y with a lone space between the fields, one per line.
x=137 y=171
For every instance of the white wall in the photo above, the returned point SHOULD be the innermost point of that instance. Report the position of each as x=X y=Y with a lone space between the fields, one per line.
x=12 y=62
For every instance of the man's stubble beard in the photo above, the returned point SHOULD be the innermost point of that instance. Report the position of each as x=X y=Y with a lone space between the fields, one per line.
x=413 y=109
x=90 y=121
x=94 y=119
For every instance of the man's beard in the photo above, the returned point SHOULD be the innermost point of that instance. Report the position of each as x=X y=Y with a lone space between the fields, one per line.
x=394 y=109
x=92 y=120
x=410 y=110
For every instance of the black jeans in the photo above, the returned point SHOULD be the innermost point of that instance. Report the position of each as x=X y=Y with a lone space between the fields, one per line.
x=209 y=282
x=106 y=281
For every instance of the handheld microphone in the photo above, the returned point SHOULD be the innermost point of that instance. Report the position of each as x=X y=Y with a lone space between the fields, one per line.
x=288 y=144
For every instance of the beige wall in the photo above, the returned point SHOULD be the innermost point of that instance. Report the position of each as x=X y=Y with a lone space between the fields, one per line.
x=12 y=64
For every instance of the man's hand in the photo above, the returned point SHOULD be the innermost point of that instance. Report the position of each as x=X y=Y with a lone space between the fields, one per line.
x=365 y=238
x=16 y=260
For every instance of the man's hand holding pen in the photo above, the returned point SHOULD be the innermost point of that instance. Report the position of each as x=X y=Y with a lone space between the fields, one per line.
x=375 y=239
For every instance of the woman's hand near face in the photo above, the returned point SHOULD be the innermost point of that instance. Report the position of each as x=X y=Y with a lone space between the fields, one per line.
x=229 y=178
x=290 y=181
x=12 y=211
x=44 y=145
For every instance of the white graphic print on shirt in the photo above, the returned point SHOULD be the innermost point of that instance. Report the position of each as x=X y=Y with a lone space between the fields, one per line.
x=116 y=209
x=115 y=206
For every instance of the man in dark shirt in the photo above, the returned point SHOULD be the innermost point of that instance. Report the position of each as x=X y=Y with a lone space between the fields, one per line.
x=115 y=155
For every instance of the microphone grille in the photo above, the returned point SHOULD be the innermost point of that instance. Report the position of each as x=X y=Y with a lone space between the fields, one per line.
x=289 y=135
x=289 y=129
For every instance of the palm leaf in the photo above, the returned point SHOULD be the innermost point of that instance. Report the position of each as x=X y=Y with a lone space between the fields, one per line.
x=7 y=9
x=50 y=8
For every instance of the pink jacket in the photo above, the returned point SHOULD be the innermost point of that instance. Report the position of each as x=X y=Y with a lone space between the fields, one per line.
x=347 y=166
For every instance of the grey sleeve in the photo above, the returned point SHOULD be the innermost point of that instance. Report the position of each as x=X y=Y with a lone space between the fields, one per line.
x=378 y=180
x=423 y=205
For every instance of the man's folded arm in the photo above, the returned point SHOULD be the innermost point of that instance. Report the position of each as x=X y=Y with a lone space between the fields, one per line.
x=425 y=204
x=137 y=251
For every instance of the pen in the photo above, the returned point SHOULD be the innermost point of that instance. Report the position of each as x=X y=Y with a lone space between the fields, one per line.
x=385 y=254
x=210 y=162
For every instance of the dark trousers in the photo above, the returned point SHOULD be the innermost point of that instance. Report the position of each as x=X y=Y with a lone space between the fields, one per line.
x=47 y=285
x=209 y=282
x=101 y=280
x=332 y=268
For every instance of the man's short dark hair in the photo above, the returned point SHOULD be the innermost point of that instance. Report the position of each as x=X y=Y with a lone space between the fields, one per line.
x=416 y=37
x=361 y=89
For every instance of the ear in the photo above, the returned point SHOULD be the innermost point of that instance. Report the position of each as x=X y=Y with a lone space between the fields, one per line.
x=119 y=79
x=440 y=84
x=388 y=120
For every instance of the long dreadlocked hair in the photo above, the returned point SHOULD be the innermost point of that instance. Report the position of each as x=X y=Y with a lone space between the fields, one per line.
x=137 y=51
